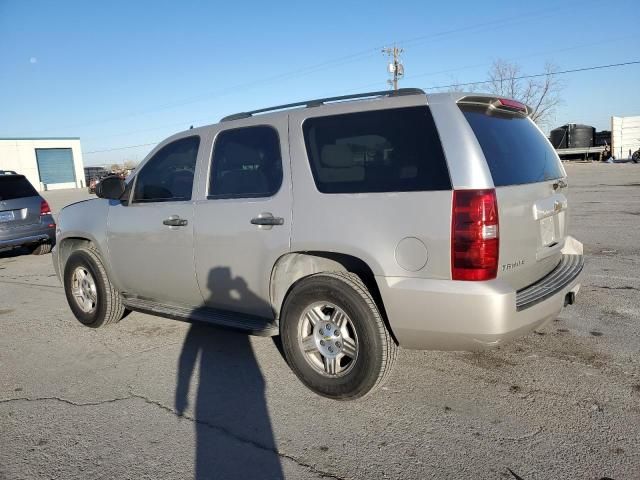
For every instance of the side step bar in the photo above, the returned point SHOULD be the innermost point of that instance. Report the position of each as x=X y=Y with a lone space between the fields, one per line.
x=254 y=325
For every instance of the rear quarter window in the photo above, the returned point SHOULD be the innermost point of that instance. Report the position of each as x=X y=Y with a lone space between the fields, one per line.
x=394 y=150
x=515 y=150
x=15 y=187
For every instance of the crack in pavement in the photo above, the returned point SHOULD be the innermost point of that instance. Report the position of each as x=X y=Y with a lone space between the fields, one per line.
x=526 y=436
x=64 y=400
x=612 y=406
x=30 y=275
x=150 y=349
x=36 y=285
x=218 y=428
x=607 y=287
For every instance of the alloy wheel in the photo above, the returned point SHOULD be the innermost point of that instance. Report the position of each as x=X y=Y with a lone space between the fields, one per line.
x=328 y=339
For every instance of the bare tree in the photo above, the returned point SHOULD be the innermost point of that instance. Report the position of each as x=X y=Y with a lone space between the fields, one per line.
x=542 y=93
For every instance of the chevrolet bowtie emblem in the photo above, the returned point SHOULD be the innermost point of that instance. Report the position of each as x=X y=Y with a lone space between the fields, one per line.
x=557 y=206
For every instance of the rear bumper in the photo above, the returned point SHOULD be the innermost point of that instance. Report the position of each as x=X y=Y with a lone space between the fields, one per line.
x=455 y=315
x=28 y=234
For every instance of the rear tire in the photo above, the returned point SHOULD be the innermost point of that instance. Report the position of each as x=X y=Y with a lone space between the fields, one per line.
x=334 y=337
x=41 y=249
x=91 y=296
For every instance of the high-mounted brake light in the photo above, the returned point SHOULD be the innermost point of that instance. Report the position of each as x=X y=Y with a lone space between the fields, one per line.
x=512 y=105
x=44 y=208
x=495 y=103
x=474 y=235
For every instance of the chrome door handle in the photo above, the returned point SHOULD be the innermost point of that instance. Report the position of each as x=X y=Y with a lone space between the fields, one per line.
x=267 y=219
x=175 y=221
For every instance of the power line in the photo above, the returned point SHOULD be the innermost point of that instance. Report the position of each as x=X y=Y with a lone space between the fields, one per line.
x=481 y=82
x=332 y=63
x=530 y=55
x=360 y=87
x=120 y=148
x=521 y=77
x=150 y=129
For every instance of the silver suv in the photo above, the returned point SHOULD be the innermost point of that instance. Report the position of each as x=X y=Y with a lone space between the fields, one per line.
x=349 y=226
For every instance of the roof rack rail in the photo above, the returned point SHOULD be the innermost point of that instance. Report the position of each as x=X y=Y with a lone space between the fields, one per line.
x=322 y=101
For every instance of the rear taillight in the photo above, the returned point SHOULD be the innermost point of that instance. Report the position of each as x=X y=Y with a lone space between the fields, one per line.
x=474 y=235
x=44 y=208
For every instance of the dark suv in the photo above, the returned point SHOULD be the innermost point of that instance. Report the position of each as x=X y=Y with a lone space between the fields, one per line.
x=25 y=217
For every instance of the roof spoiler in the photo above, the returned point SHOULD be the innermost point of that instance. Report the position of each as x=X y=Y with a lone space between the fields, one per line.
x=497 y=103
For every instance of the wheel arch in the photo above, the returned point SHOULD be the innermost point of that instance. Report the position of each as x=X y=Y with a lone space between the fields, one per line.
x=293 y=267
x=67 y=245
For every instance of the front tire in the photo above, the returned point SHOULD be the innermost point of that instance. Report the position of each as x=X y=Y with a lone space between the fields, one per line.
x=334 y=337
x=91 y=296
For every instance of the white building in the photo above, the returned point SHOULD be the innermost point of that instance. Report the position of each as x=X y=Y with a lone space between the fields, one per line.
x=625 y=135
x=48 y=163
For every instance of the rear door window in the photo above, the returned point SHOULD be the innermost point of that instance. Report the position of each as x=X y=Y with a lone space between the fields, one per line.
x=394 y=150
x=246 y=163
x=515 y=150
x=15 y=187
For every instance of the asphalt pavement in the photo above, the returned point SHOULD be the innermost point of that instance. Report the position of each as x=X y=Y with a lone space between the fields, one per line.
x=151 y=398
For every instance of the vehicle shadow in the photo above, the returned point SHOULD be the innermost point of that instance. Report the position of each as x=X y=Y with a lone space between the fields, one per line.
x=234 y=438
x=14 y=252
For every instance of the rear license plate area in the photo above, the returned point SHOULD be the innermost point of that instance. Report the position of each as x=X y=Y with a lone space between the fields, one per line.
x=7 y=216
x=548 y=233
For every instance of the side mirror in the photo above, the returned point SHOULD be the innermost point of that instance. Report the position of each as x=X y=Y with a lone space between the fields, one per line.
x=110 y=188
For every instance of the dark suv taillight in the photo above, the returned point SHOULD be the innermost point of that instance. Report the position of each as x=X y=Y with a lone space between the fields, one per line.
x=44 y=208
x=474 y=235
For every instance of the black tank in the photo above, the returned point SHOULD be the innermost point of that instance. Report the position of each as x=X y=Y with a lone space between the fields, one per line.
x=559 y=137
x=581 y=136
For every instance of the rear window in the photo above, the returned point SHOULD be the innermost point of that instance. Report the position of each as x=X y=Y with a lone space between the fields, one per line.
x=515 y=150
x=15 y=187
x=396 y=150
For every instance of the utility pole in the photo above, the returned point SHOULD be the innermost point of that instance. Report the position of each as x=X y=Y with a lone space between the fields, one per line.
x=395 y=67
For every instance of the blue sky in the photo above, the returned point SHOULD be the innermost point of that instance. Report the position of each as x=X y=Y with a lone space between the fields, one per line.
x=131 y=73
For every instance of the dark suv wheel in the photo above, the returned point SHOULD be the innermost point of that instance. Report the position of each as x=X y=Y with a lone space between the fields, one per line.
x=91 y=296
x=334 y=337
x=41 y=248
